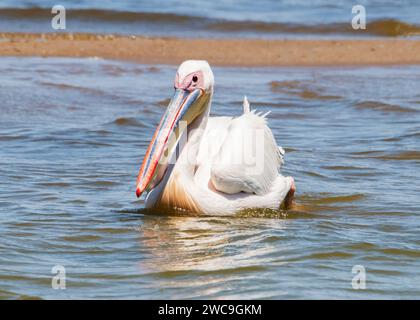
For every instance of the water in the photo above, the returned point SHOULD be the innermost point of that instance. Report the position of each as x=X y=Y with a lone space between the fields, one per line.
x=73 y=133
x=218 y=18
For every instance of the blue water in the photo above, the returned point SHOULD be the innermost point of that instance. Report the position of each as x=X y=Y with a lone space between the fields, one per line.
x=267 y=18
x=292 y=11
x=73 y=133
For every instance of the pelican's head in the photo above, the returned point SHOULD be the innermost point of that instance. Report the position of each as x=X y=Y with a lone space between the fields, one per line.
x=193 y=88
x=194 y=74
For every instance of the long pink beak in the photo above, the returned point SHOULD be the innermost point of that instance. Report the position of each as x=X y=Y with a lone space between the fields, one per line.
x=180 y=102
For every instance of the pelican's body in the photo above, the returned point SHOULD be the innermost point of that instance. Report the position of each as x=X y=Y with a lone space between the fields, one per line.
x=212 y=165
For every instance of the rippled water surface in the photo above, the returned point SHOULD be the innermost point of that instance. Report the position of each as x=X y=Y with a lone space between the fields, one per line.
x=217 y=18
x=73 y=133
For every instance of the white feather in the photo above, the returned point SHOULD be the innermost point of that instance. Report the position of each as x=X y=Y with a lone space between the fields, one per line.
x=236 y=163
x=249 y=158
x=246 y=106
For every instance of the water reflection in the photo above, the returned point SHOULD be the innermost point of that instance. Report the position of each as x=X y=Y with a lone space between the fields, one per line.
x=209 y=243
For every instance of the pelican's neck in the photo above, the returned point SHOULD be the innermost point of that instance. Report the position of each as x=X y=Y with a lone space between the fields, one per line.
x=188 y=155
x=174 y=191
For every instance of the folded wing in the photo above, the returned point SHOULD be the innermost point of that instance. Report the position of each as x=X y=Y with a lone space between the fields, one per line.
x=249 y=158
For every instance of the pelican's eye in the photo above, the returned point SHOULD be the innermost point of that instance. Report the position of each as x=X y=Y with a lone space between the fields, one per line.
x=191 y=81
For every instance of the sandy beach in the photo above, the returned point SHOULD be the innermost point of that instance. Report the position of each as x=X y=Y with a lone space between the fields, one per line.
x=222 y=52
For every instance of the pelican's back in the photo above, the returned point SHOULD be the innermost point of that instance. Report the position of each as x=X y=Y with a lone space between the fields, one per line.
x=249 y=158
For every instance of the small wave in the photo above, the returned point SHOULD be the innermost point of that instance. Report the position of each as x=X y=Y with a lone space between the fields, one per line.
x=95 y=14
x=262 y=213
x=405 y=155
x=127 y=122
x=382 y=27
x=393 y=28
x=55 y=184
x=314 y=174
x=265 y=104
x=163 y=103
x=288 y=115
x=65 y=86
x=279 y=85
x=363 y=246
x=371 y=213
x=301 y=90
x=113 y=70
x=218 y=271
x=100 y=183
x=81 y=238
x=386 y=272
x=411 y=135
x=165 y=212
x=109 y=230
x=308 y=94
x=402 y=137
x=336 y=199
x=381 y=106
x=13 y=137
x=365 y=153
x=401 y=252
x=344 y=168
x=16 y=296
x=329 y=255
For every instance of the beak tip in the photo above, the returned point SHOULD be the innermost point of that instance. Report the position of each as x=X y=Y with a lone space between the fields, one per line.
x=138 y=192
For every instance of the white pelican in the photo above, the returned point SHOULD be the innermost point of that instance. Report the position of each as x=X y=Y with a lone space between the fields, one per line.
x=211 y=165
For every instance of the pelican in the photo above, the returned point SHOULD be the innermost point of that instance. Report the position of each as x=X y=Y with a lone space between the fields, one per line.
x=211 y=165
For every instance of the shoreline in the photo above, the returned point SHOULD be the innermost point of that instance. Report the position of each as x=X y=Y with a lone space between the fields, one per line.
x=219 y=52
